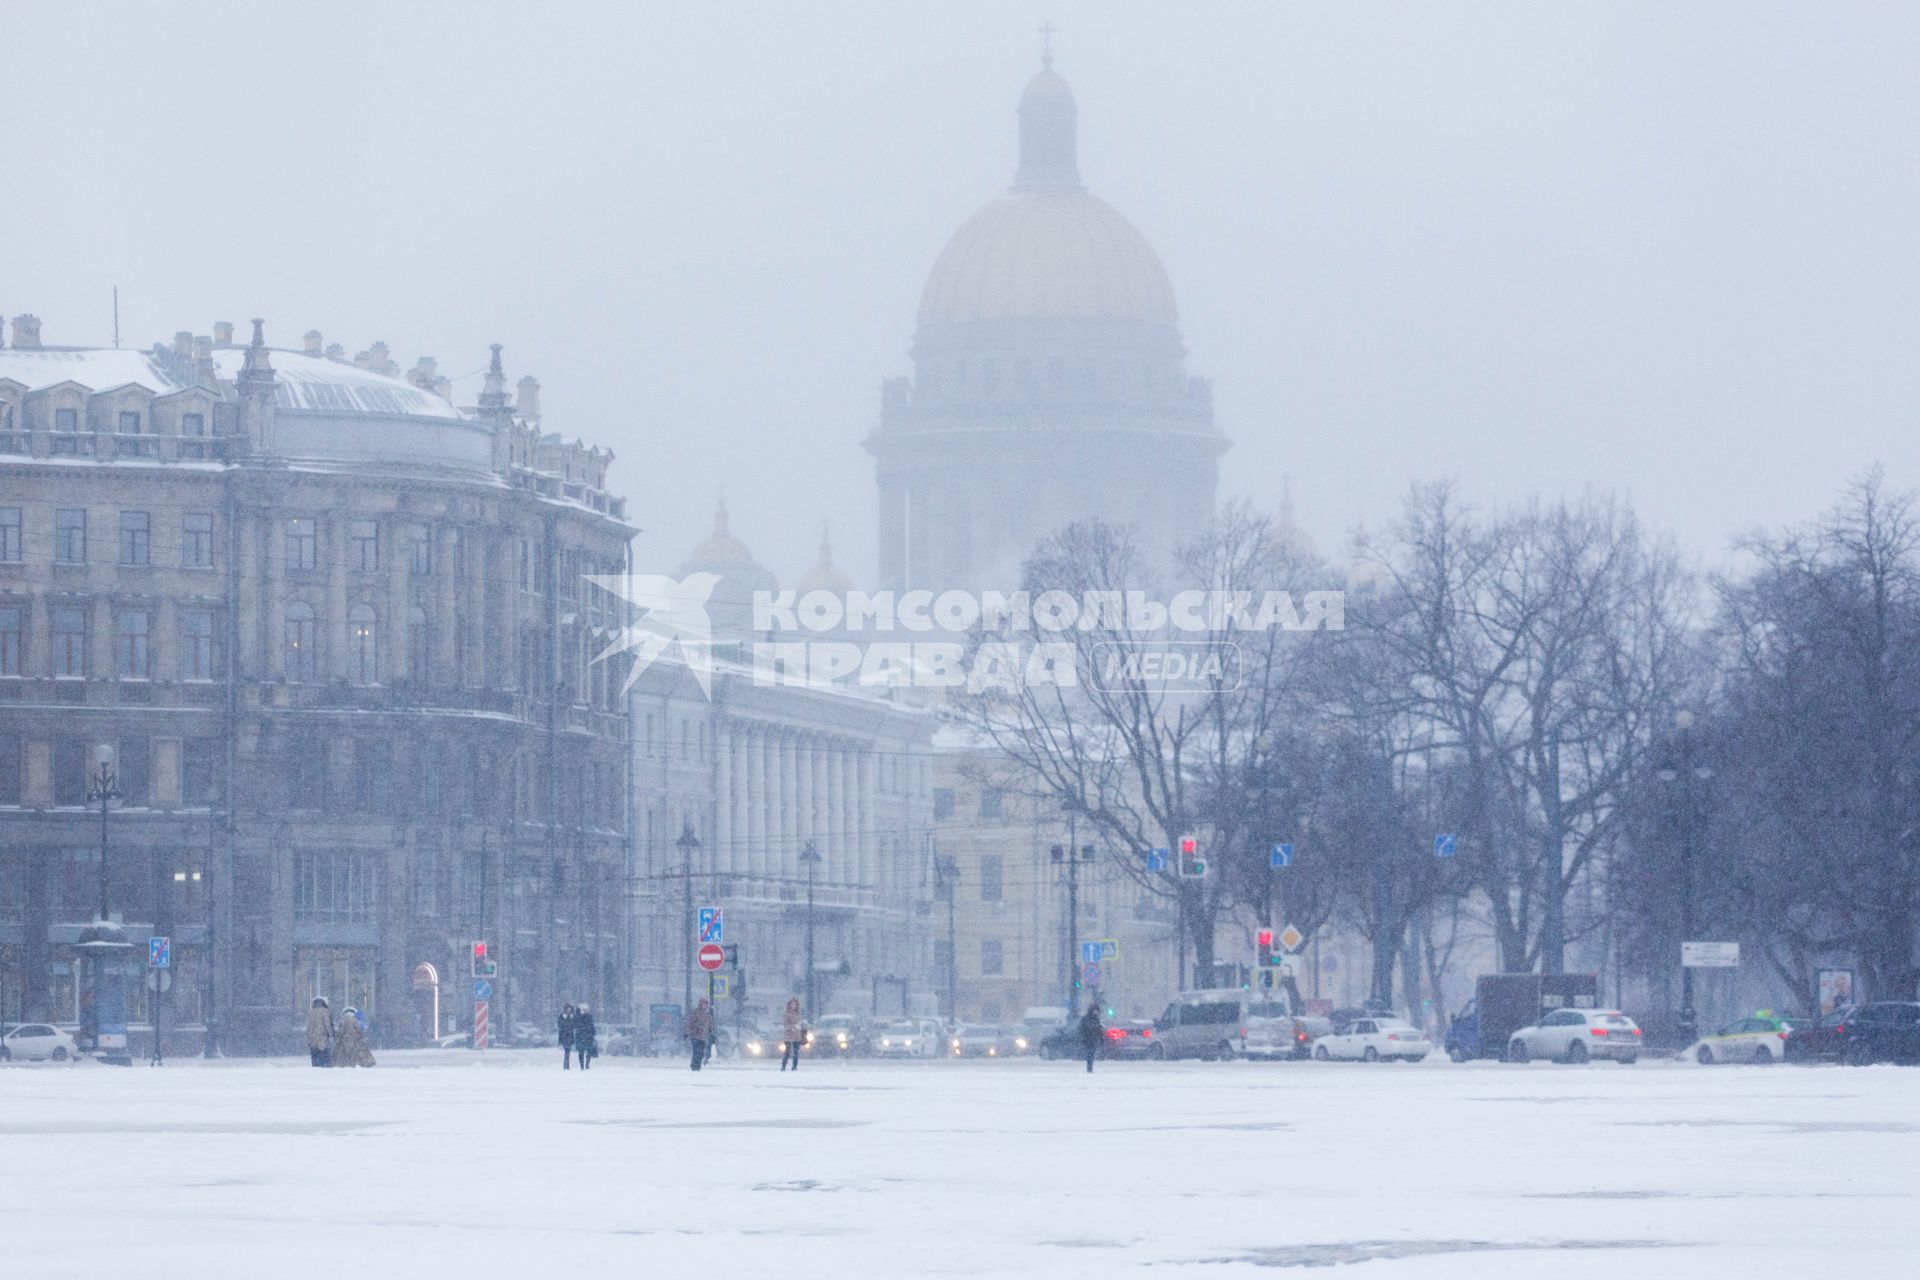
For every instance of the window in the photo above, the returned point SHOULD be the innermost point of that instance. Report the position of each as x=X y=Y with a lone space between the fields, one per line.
x=136 y=534
x=363 y=660
x=129 y=423
x=10 y=768
x=303 y=544
x=992 y=878
x=69 y=641
x=134 y=772
x=131 y=653
x=302 y=652
x=66 y=426
x=942 y=954
x=70 y=536
x=70 y=771
x=989 y=802
x=335 y=887
x=992 y=959
x=417 y=644
x=13 y=640
x=193 y=425
x=303 y=769
x=943 y=802
x=363 y=546
x=372 y=766
x=419 y=549
x=197 y=763
x=196 y=646
x=10 y=535
x=196 y=540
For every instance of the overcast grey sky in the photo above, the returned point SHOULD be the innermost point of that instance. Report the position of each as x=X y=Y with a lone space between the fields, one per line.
x=1663 y=248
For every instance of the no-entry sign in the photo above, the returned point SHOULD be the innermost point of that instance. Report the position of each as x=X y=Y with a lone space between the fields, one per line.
x=712 y=956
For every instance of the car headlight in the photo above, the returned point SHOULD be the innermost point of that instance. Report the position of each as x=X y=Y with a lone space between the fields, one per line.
x=1020 y=1043
x=956 y=1044
x=906 y=1044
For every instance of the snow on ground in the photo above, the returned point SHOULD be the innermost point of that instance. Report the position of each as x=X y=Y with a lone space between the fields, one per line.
x=435 y=1164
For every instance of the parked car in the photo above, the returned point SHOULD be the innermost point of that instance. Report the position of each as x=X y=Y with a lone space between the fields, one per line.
x=38 y=1042
x=1761 y=1039
x=1229 y=1023
x=1374 y=1040
x=1885 y=1031
x=458 y=1040
x=906 y=1040
x=1019 y=1043
x=1131 y=1038
x=1822 y=1039
x=975 y=1040
x=840 y=1035
x=1574 y=1035
x=1504 y=1002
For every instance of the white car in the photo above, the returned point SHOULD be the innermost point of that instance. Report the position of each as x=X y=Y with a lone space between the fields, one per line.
x=1375 y=1040
x=1761 y=1039
x=38 y=1042
x=905 y=1040
x=1575 y=1035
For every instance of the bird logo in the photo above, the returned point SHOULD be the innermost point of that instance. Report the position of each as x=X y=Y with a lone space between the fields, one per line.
x=674 y=610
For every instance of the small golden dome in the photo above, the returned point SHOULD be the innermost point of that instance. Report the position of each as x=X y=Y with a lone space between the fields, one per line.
x=721 y=547
x=825 y=576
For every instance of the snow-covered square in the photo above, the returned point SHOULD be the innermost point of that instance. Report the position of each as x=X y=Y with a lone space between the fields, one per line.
x=438 y=1164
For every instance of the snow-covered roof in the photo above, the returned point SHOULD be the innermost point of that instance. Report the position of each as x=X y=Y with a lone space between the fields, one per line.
x=96 y=370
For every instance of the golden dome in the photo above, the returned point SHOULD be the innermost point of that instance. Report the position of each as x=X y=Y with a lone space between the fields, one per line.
x=825 y=576
x=1048 y=253
x=721 y=547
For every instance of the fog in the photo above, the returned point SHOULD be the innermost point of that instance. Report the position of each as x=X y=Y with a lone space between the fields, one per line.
x=1537 y=248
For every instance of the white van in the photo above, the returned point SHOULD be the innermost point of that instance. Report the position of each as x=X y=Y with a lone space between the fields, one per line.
x=1230 y=1023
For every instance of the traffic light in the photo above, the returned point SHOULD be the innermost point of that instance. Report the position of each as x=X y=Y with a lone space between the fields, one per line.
x=484 y=965
x=1192 y=865
x=1263 y=943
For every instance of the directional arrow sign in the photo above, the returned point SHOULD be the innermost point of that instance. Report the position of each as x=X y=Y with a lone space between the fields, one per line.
x=1443 y=846
x=1089 y=953
x=1281 y=855
x=1156 y=859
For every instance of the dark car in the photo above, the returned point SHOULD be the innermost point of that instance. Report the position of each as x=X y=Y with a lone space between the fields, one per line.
x=1887 y=1031
x=1821 y=1040
x=1129 y=1038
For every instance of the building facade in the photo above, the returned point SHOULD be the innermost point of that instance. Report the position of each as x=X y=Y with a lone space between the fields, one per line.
x=1049 y=383
x=331 y=635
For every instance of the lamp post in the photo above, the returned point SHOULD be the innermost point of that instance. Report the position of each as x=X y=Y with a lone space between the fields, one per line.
x=103 y=791
x=103 y=944
x=688 y=844
x=810 y=858
x=1681 y=771
x=947 y=869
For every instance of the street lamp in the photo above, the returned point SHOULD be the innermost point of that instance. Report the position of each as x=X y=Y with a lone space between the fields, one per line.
x=810 y=858
x=688 y=843
x=1682 y=770
x=102 y=944
x=947 y=871
x=103 y=791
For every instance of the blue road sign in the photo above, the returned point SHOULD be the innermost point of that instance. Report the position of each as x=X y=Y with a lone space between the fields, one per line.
x=1089 y=953
x=712 y=927
x=1157 y=859
x=482 y=989
x=1443 y=846
x=1281 y=855
x=159 y=953
x=1109 y=948
x=1090 y=975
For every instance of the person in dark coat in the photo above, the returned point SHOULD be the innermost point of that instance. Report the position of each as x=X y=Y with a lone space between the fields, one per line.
x=584 y=1032
x=567 y=1018
x=1091 y=1035
x=700 y=1032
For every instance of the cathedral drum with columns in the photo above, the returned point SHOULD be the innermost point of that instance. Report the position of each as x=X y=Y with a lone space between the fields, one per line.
x=1049 y=382
x=319 y=641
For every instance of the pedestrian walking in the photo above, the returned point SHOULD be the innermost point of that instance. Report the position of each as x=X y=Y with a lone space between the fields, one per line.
x=584 y=1032
x=1091 y=1035
x=568 y=1015
x=700 y=1032
x=350 y=1042
x=793 y=1035
x=320 y=1033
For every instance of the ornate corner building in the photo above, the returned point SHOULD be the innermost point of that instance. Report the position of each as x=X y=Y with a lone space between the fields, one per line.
x=330 y=634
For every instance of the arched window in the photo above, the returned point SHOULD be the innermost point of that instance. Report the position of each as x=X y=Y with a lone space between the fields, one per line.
x=363 y=661
x=417 y=644
x=302 y=651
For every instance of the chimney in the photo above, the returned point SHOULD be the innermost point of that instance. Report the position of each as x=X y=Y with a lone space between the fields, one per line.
x=381 y=361
x=202 y=349
x=26 y=333
x=528 y=404
x=423 y=374
x=310 y=341
x=223 y=333
x=183 y=344
x=443 y=387
x=336 y=352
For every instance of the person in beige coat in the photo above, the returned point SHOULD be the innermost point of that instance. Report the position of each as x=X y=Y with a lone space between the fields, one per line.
x=793 y=1034
x=350 y=1043
x=320 y=1033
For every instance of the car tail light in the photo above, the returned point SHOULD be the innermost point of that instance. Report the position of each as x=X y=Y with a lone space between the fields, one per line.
x=1147 y=1032
x=1636 y=1031
x=1116 y=1033
x=1598 y=1031
x=1782 y=1035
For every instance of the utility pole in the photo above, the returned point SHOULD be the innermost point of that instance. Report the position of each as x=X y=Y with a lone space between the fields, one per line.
x=810 y=857
x=1682 y=770
x=687 y=844
x=948 y=871
x=1072 y=854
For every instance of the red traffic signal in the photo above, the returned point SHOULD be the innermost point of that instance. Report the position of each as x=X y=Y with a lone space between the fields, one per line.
x=1189 y=845
x=1264 y=937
